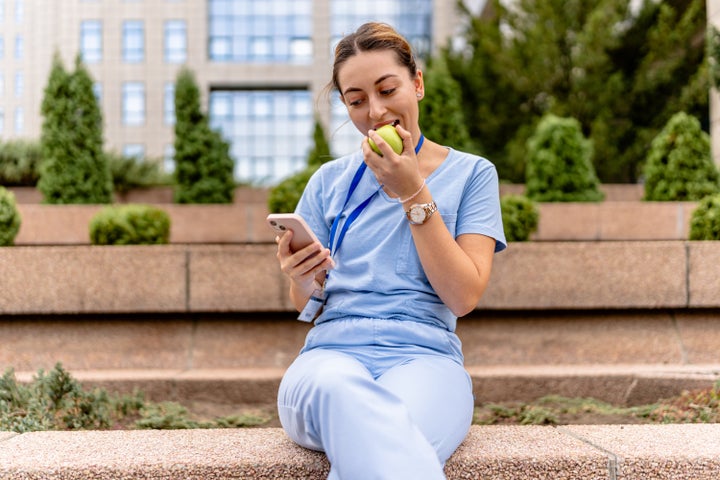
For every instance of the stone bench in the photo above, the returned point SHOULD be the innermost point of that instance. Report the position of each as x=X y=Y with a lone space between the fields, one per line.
x=613 y=452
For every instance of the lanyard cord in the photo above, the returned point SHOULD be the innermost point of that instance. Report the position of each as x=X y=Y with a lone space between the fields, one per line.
x=358 y=210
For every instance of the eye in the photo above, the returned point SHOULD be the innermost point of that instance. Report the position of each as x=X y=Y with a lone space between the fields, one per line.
x=388 y=91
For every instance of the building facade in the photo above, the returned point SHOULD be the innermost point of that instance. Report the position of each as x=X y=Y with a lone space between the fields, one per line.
x=261 y=65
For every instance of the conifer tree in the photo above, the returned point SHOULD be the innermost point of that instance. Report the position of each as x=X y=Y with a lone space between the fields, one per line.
x=621 y=71
x=441 y=112
x=74 y=168
x=203 y=166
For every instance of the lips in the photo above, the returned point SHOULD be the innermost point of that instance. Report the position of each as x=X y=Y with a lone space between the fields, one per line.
x=394 y=123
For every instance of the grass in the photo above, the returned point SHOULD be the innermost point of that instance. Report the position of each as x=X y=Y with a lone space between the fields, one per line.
x=53 y=400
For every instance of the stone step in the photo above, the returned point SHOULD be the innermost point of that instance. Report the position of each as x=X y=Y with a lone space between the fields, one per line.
x=613 y=452
x=616 y=384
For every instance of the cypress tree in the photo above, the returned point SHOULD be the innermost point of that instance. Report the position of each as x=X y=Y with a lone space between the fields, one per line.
x=74 y=168
x=203 y=166
x=441 y=111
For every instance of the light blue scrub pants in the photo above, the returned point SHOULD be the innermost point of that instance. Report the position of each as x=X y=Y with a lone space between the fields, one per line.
x=384 y=399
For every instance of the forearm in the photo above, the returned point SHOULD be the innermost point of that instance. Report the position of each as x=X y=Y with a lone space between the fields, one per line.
x=458 y=270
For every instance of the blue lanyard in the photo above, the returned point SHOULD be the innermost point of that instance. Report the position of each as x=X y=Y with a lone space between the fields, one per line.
x=358 y=210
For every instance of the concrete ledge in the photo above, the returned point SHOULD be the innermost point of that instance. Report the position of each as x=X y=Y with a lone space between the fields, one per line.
x=245 y=278
x=245 y=222
x=615 y=452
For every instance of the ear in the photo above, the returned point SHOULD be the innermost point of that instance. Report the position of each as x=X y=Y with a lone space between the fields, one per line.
x=419 y=85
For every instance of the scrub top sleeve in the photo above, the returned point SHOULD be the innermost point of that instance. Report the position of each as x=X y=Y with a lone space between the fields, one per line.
x=312 y=208
x=479 y=210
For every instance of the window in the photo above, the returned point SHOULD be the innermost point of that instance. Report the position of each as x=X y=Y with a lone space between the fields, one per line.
x=19 y=47
x=133 y=103
x=175 y=41
x=19 y=84
x=97 y=92
x=91 y=41
x=169 y=158
x=169 y=104
x=134 y=150
x=19 y=120
x=133 y=41
x=269 y=31
x=412 y=18
x=19 y=11
x=270 y=131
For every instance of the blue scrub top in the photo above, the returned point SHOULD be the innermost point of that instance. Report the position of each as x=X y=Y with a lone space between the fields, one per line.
x=378 y=272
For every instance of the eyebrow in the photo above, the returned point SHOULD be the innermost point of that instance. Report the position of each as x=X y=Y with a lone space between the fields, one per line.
x=378 y=81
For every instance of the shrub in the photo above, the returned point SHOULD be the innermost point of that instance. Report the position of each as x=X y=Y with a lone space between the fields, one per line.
x=679 y=165
x=520 y=217
x=705 y=219
x=559 y=166
x=20 y=163
x=130 y=172
x=9 y=218
x=130 y=225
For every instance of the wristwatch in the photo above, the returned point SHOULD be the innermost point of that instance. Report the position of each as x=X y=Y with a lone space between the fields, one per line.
x=419 y=213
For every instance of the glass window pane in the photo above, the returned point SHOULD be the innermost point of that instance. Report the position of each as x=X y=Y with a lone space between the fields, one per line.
x=175 y=41
x=133 y=103
x=238 y=31
x=270 y=131
x=412 y=18
x=91 y=41
x=133 y=41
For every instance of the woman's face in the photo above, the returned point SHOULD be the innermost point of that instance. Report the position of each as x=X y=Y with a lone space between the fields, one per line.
x=377 y=90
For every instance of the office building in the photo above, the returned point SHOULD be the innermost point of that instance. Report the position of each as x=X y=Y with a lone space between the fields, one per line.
x=261 y=66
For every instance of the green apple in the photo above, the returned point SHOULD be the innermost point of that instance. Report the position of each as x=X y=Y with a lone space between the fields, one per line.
x=391 y=136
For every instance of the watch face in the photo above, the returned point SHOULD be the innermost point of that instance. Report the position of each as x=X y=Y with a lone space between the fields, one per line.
x=417 y=214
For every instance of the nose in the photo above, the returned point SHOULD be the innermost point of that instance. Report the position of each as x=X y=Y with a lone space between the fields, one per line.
x=377 y=109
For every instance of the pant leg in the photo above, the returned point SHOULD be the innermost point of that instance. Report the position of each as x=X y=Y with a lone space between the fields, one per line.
x=437 y=392
x=329 y=401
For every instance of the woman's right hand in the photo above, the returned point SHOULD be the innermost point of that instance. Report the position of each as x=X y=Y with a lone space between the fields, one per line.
x=305 y=268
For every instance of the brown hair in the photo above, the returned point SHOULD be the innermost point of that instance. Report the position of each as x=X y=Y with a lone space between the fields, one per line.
x=369 y=37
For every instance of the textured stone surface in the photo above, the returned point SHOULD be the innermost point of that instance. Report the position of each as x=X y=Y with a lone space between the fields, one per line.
x=569 y=338
x=525 y=453
x=703 y=277
x=589 y=275
x=492 y=452
x=699 y=332
x=92 y=279
x=658 y=451
x=95 y=343
x=236 y=278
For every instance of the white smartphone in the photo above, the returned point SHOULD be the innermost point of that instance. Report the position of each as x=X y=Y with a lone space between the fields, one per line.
x=302 y=234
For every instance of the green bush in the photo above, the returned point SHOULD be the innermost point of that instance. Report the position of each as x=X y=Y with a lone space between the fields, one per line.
x=130 y=225
x=20 y=163
x=559 y=166
x=679 y=165
x=520 y=217
x=285 y=196
x=705 y=219
x=130 y=172
x=9 y=218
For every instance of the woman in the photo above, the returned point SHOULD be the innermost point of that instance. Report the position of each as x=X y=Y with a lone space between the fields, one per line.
x=408 y=241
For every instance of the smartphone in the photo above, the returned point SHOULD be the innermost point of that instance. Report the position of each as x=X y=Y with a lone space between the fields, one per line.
x=302 y=234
